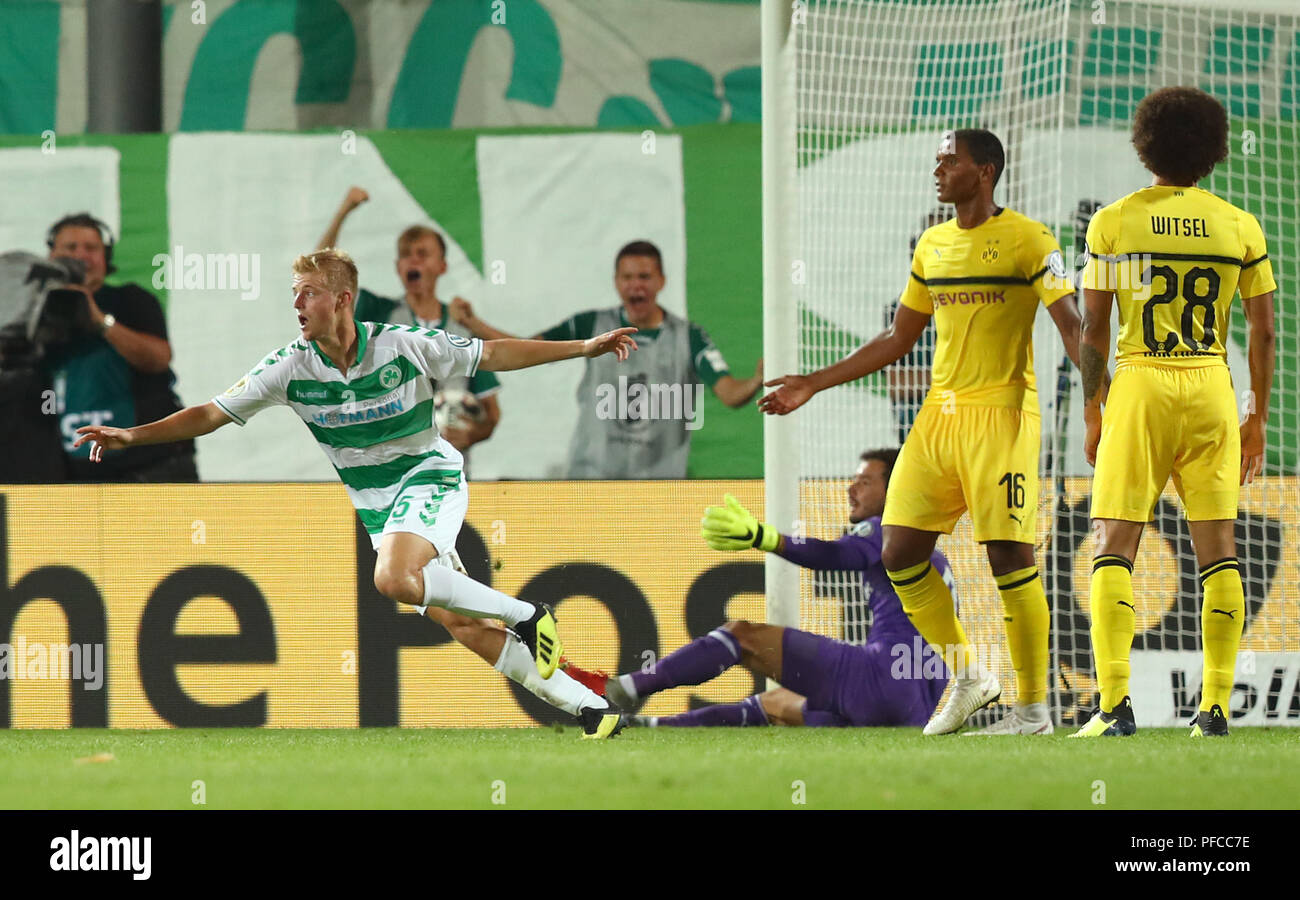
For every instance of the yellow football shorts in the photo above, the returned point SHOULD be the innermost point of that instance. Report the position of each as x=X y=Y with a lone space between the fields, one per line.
x=977 y=458
x=1165 y=421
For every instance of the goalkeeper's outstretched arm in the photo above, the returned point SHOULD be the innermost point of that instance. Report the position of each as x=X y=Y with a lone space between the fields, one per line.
x=733 y=527
x=191 y=422
x=793 y=391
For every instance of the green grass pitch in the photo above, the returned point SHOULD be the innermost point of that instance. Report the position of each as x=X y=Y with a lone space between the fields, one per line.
x=543 y=768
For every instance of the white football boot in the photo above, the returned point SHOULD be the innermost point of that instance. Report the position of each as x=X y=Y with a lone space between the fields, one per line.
x=1014 y=723
x=966 y=697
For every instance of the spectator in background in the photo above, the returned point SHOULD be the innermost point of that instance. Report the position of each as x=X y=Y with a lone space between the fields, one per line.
x=421 y=259
x=119 y=373
x=639 y=425
x=909 y=378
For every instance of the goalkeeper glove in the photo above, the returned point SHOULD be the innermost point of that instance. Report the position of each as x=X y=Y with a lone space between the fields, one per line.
x=732 y=527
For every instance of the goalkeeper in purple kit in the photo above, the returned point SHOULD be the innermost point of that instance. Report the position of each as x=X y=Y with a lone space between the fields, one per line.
x=824 y=681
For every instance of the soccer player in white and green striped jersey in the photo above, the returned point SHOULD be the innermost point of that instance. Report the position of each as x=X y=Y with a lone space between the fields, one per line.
x=365 y=392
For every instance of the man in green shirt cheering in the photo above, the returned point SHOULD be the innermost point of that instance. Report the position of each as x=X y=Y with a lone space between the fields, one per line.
x=639 y=424
x=421 y=260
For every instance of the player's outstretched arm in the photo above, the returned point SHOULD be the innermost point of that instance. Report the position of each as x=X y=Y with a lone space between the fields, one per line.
x=191 y=422
x=514 y=353
x=793 y=391
x=354 y=198
x=1091 y=355
x=733 y=527
x=1261 y=348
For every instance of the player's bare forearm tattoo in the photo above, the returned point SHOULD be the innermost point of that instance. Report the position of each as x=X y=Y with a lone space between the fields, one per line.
x=1094 y=371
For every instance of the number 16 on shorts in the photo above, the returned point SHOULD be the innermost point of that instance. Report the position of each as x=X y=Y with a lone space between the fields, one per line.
x=1015 y=482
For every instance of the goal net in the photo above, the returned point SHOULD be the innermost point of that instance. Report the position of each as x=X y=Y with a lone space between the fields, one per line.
x=857 y=93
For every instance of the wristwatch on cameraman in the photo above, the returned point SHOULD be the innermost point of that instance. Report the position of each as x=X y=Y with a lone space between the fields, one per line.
x=107 y=322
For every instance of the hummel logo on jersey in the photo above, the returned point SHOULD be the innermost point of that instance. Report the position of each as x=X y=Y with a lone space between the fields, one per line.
x=1229 y=613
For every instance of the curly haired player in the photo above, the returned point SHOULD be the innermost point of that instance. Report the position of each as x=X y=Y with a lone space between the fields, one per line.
x=1171 y=256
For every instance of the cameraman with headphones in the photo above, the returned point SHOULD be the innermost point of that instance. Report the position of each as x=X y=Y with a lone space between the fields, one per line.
x=119 y=373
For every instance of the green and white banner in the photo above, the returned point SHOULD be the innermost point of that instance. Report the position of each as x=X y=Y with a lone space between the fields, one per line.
x=546 y=254
x=211 y=223
x=234 y=65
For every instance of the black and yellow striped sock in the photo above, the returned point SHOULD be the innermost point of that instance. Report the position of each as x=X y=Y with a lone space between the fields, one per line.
x=1027 y=621
x=928 y=603
x=1111 y=600
x=1223 y=613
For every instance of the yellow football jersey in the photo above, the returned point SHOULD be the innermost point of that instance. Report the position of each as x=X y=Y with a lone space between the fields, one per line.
x=1174 y=257
x=983 y=286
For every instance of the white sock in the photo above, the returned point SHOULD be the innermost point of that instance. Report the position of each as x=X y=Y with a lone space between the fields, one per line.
x=462 y=594
x=561 y=691
x=625 y=682
x=1033 y=712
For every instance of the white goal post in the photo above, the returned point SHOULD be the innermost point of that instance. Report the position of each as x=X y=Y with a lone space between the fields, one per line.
x=855 y=96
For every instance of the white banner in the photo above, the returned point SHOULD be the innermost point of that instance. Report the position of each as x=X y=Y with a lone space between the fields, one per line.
x=1166 y=688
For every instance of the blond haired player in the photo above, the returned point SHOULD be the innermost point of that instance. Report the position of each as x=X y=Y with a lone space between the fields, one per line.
x=975 y=444
x=365 y=391
x=1172 y=256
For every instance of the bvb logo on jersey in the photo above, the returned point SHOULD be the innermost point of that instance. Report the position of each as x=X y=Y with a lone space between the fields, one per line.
x=990 y=254
x=390 y=375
